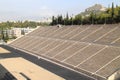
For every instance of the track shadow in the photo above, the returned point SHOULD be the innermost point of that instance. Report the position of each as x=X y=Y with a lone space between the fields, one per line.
x=9 y=55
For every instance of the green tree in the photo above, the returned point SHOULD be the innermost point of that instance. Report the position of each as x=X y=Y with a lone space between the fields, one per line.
x=92 y=18
x=67 y=19
x=54 y=20
x=78 y=20
x=60 y=19
x=6 y=37
x=112 y=13
x=2 y=34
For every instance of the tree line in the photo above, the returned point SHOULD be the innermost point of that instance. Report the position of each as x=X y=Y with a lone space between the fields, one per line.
x=20 y=24
x=110 y=16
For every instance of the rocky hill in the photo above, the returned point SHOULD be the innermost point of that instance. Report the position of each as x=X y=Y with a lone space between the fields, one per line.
x=97 y=8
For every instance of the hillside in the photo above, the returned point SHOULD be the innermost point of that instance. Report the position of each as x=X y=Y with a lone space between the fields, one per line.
x=97 y=8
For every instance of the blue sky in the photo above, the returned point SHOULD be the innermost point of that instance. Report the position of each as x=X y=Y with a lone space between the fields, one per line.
x=15 y=10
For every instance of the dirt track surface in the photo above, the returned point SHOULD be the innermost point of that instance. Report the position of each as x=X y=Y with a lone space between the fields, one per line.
x=2 y=50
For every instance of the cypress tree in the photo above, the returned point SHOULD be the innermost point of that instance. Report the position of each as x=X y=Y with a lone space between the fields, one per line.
x=6 y=37
x=112 y=13
x=2 y=33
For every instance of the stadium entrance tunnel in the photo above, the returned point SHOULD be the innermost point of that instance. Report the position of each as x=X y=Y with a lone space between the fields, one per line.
x=115 y=76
